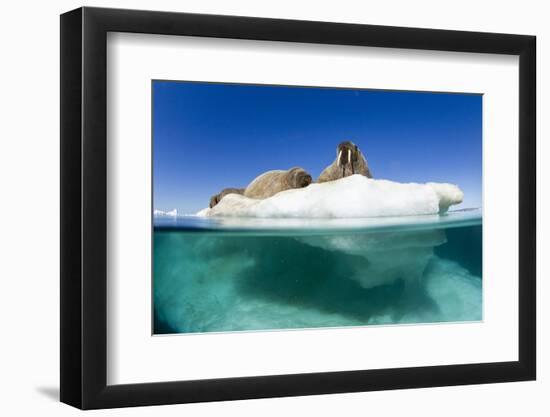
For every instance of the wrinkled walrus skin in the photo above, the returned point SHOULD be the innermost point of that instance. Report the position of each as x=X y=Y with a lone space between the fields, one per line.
x=349 y=161
x=268 y=184
x=273 y=182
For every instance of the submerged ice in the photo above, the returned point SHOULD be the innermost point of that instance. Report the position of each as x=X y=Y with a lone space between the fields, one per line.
x=355 y=196
x=243 y=281
x=390 y=255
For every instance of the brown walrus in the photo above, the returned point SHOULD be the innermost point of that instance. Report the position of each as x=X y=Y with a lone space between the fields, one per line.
x=349 y=160
x=273 y=182
x=267 y=184
x=215 y=199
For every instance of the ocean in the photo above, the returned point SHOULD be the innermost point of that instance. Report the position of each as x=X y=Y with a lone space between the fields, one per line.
x=238 y=274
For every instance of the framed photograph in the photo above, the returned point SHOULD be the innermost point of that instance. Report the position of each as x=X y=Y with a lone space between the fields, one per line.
x=257 y=208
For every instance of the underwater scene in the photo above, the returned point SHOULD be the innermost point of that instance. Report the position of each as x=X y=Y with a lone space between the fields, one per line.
x=215 y=275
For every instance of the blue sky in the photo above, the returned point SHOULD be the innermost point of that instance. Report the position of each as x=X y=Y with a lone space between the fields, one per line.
x=209 y=136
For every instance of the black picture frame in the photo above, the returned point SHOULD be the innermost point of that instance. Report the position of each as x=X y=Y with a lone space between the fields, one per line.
x=84 y=207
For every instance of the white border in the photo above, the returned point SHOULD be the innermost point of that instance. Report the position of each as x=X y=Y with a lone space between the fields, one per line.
x=135 y=356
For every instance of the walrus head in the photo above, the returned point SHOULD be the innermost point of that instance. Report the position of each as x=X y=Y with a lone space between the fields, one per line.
x=346 y=153
x=298 y=178
x=350 y=160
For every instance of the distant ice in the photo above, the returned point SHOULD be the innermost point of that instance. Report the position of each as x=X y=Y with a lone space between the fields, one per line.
x=355 y=196
x=160 y=213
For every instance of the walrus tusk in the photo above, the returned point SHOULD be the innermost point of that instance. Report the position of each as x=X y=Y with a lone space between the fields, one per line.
x=349 y=156
x=338 y=159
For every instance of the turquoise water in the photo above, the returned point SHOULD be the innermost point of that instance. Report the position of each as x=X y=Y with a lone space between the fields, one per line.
x=220 y=275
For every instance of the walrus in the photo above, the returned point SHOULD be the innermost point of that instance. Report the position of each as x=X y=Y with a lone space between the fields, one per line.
x=267 y=184
x=349 y=160
x=273 y=182
x=215 y=199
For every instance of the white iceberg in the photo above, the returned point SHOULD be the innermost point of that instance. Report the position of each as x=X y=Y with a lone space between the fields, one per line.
x=355 y=196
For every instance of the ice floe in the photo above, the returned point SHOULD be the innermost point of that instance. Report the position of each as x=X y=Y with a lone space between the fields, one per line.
x=355 y=196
